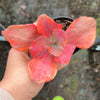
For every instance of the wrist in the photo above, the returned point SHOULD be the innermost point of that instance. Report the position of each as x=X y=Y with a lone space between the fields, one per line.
x=7 y=88
x=4 y=95
x=16 y=92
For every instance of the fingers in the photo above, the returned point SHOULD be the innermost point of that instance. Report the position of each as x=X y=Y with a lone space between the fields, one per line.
x=16 y=58
x=17 y=55
x=17 y=64
x=36 y=87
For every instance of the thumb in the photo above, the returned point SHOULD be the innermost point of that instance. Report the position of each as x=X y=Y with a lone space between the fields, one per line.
x=17 y=76
x=17 y=61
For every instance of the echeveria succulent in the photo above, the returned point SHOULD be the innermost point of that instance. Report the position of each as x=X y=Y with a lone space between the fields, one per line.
x=49 y=45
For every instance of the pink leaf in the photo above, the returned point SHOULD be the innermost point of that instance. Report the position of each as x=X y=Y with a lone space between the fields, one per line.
x=46 y=25
x=39 y=46
x=55 y=50
x=58 y=41
x=42 y=69
x=60 y=37
x=65 y=57
x=82 y=32
x=21 y=36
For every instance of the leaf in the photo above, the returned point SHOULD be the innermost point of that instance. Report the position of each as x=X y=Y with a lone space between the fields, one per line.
x=60 y=37
x=42 y=69
x=46 y=25
x=21 y=36
x=39 y=46
x=58 y=98
x=82 y=32
x=58 y=41
x=65 y=57
x=55 y=50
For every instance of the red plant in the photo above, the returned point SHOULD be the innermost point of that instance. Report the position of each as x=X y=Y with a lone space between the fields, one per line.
x=50 y=46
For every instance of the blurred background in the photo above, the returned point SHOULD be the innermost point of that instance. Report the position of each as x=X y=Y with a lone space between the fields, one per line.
x=80 y=80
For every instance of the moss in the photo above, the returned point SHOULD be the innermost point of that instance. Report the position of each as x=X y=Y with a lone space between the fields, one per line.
x=73 y=82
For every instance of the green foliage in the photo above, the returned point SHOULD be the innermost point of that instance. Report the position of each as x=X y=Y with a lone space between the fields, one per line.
x=58 y=98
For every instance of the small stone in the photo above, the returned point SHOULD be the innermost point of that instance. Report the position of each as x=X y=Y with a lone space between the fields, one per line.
x=23 y=7
x=98 y=48
x=96 y=70
x=61 y=86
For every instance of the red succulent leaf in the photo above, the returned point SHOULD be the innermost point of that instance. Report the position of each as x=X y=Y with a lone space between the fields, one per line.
x=60 y=37
x=21 y=36
x=58 y=41
x=65 y=57
x=46 y=25
x=82 y=32
x=39 y=46
x=55 y=50
x=42 y=69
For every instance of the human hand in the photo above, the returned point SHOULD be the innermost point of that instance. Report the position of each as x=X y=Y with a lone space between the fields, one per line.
x=17 y=80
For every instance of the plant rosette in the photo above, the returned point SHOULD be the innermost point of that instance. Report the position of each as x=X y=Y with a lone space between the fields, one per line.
x=49 y=45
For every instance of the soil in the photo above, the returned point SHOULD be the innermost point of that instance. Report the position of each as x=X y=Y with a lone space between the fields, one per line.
x=64 y=22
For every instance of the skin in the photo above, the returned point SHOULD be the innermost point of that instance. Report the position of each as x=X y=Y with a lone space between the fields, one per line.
x=17 y=80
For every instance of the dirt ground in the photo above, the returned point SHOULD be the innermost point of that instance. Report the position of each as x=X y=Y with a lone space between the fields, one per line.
x=80 y=79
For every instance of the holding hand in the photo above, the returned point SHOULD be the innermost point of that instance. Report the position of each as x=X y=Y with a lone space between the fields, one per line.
x=17 y=80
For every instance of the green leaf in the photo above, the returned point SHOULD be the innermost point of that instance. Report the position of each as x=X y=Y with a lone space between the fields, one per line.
x=58 y=98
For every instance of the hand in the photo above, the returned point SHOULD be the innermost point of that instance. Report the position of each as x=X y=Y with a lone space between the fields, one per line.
x=17 y=80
